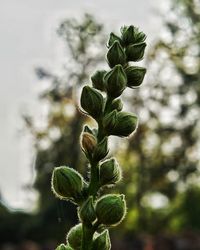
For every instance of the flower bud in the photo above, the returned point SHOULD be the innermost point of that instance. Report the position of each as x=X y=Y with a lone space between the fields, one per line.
x=101 y=150
x=117 y=104
x=64 y=247
x=110 y=172
x=113 y=38
x=98 y=81
x=74 y=237
x=131 y=35
x=125 y=125
x=92 y=101
x=135 y=52
x=66 y=183
x=116 y=55
x=87 y=213
x=109 y=121
x=115 y=81
x=135 y=76
x=111 y=209
x=102 y=242
x=88 y=143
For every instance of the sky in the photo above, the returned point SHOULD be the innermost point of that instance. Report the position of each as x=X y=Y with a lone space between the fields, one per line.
x=28 y=39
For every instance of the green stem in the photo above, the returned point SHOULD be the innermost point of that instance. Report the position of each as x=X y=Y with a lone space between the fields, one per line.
x=94 y=179
x=87 y=238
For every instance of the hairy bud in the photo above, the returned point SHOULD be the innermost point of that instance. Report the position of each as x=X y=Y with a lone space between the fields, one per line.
x=87 y=213
x=115 y=81
x=74 y=237
x=116 y=55
x=92 y=101
x=102 y=242
x=135 y=52
x=64 y=247
x=109 y=122
x=117 y=104
x=113 y=38
x=98 y=80
x=132 y=35
x=111 y=209
x=109 y=173
x=88 y=143
x=66 y=183
x=135 y=76
x=126 y=123
x=101 y=150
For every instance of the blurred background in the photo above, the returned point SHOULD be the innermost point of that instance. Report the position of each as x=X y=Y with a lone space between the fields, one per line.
x=48 y=51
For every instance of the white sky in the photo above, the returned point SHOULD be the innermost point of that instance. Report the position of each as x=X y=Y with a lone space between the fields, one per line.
x=28 y=39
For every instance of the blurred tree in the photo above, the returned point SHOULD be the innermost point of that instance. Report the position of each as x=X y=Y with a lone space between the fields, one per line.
x=57 y=141
x=163 y=155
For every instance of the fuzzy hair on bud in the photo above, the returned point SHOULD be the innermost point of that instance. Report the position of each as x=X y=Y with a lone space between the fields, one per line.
x=117 y=104
x=115 y=81
x=98 y=80
x=126 y=124
x=109 y=122
x=66 y=183
x=92 y=101
x=110 y=172
x=116 y=55
x=101 y=150
x=102 y=242
x=132 y=35
x=74 y=236
x=88 y=143
x=111 y=209
x=135 y=76
x=64 y=247
x=135 y=52
x=112 y=39
x=87 y=212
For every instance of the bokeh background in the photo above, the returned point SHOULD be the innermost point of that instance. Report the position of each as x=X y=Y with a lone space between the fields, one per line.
x=48 y=51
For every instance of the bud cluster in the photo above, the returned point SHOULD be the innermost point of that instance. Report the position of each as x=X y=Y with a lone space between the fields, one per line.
x=103 y=103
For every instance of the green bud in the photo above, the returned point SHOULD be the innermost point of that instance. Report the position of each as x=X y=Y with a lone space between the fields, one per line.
x=101 y=150
x=87 y=213
x=132 y=35
x=111 y=209
x=117 y=104
x=115 y=81
x=98 y=80
x=88 y=143
x=64 y=247
x=135 y=76
x=74 y=236
x=113 y=38
x=126 y=124
x=102 y=242
x=110 y=172
x=116 y=55
x=109 y=121
x=135 y=52
x=66 y=183
x=139 y=36
x=92 y=101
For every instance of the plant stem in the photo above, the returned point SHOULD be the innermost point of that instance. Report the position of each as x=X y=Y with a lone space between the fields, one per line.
x=94 y=179
x=87 y=238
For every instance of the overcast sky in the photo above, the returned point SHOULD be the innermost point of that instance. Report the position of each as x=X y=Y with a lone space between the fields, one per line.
x=28 y=39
